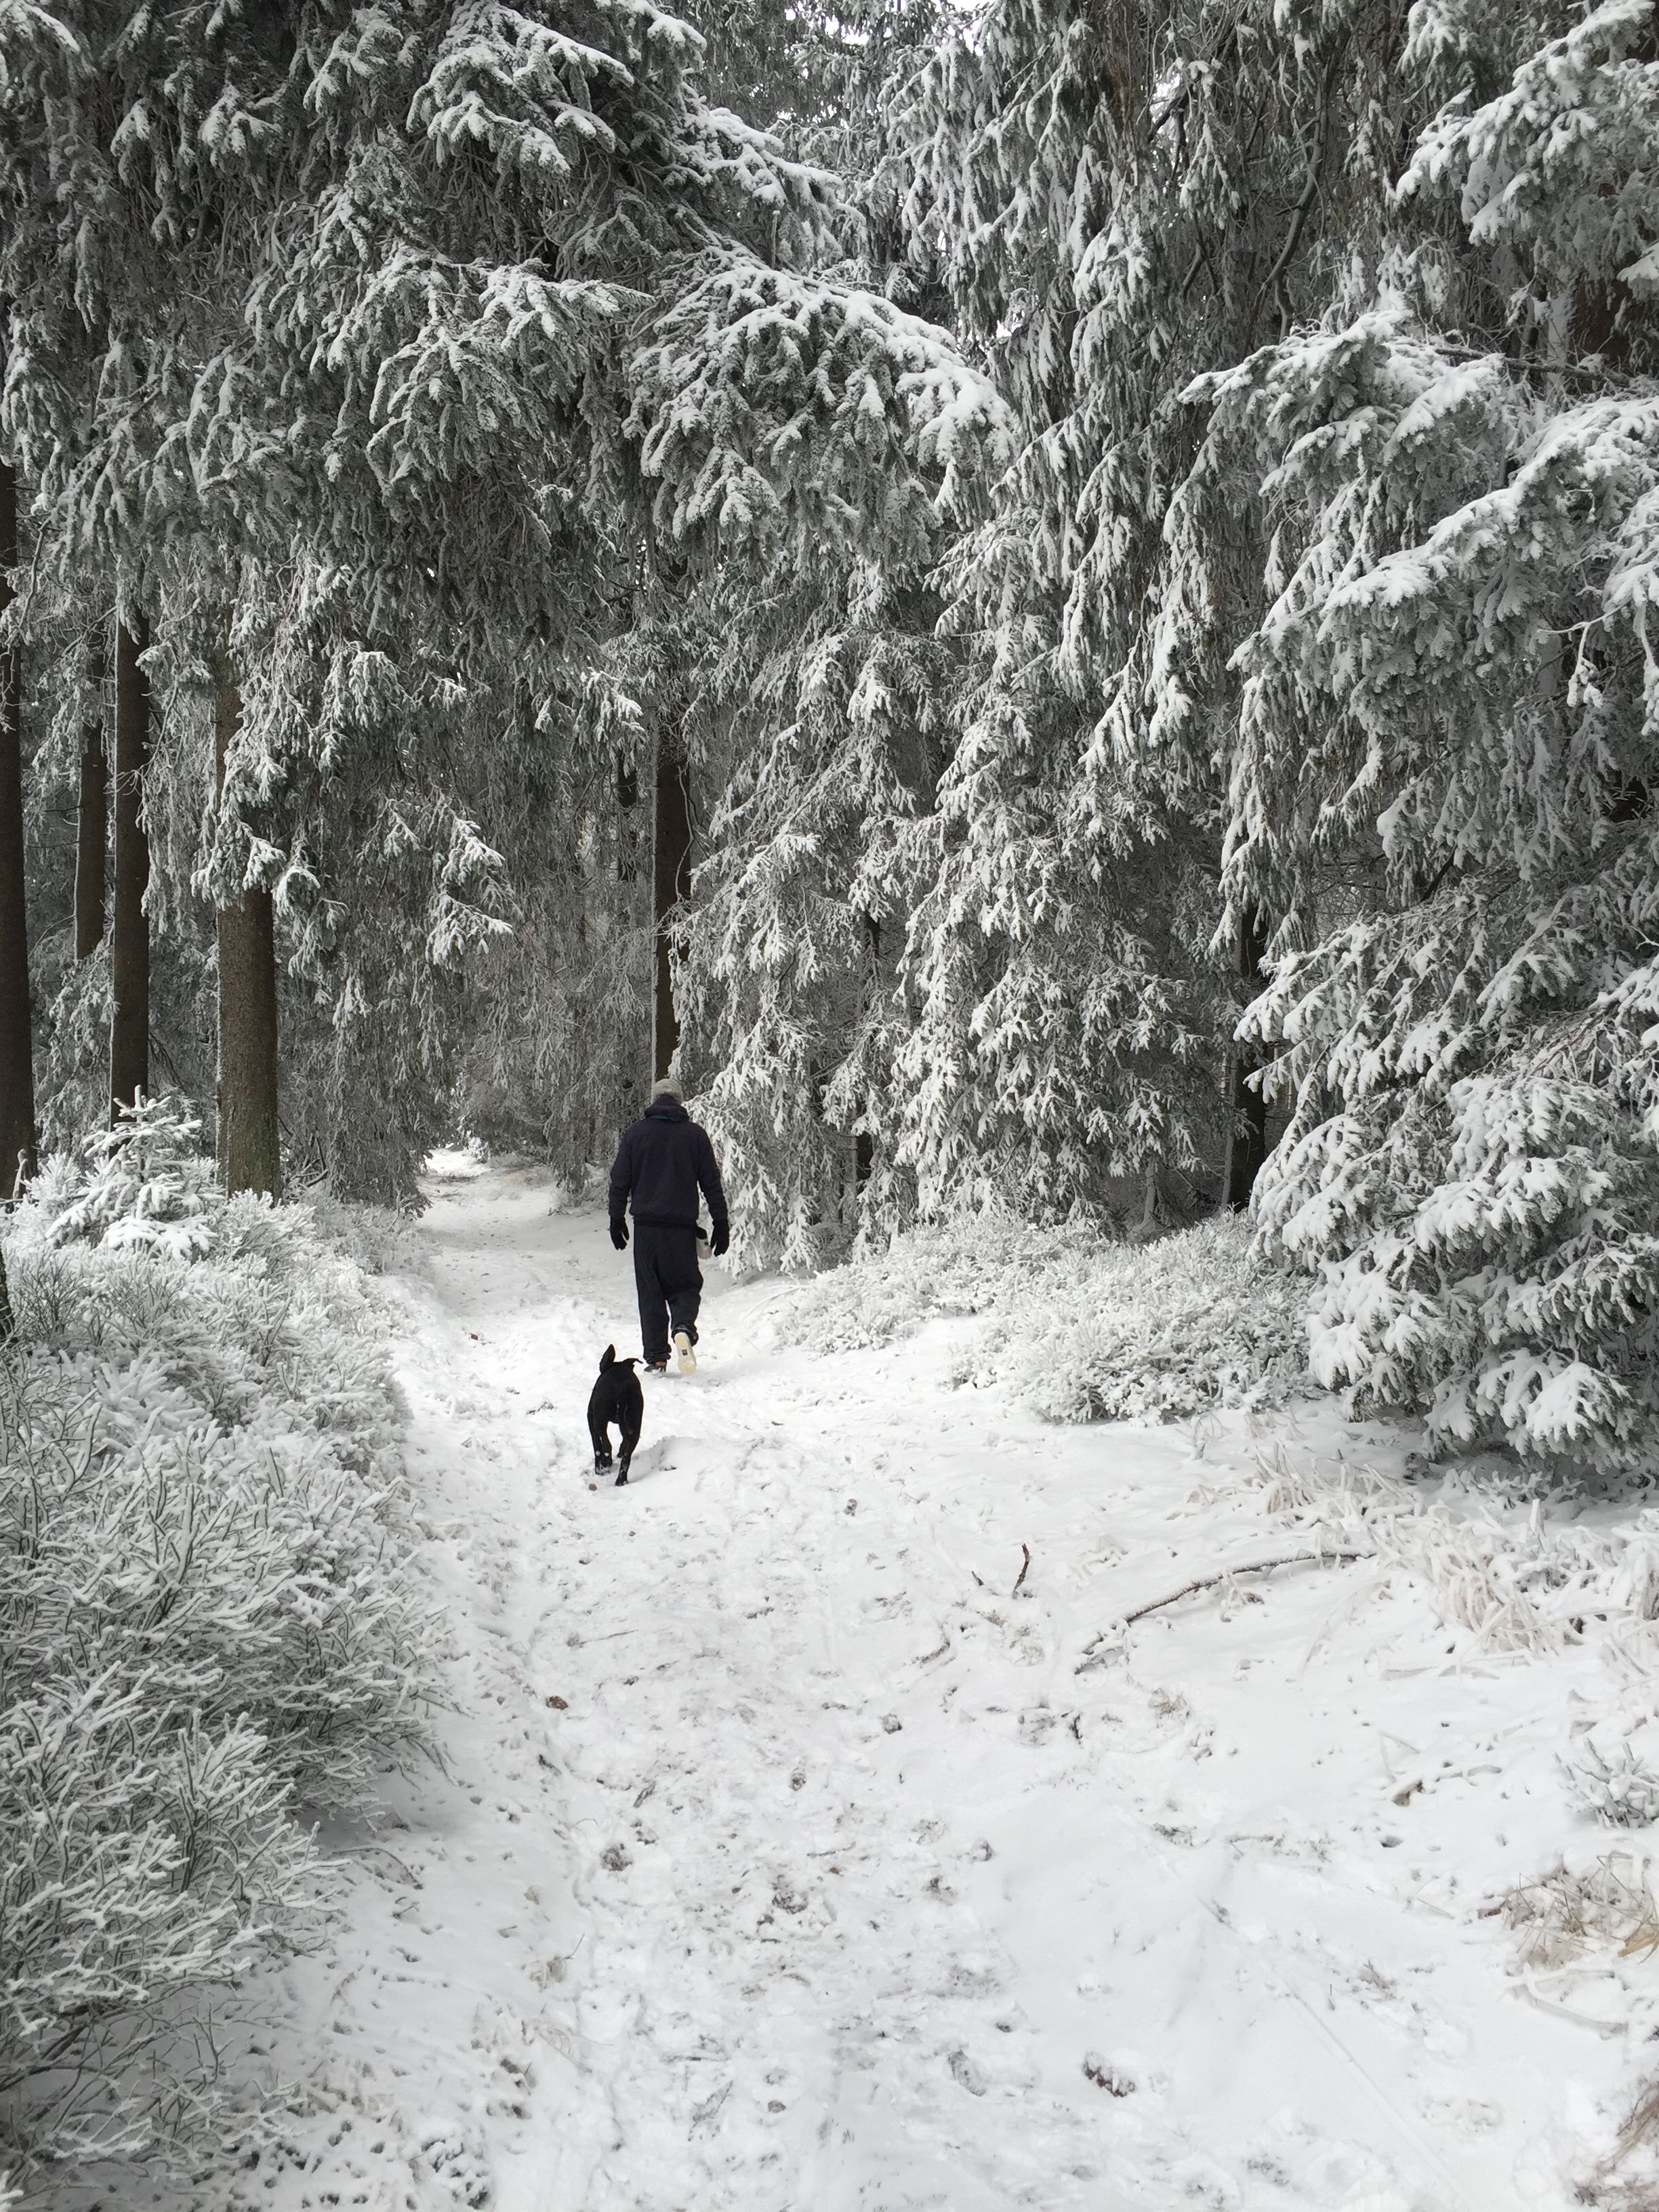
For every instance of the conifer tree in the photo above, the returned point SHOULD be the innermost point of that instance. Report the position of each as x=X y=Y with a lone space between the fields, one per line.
x=92 y=812
x=16 y=1021
x=130 y=927
x=249 y=1140
x=1446 y=752
x=1115 y=205
x=460 y=301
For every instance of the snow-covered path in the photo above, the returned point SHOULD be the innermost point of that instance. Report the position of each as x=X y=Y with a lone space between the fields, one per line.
x=792 y=1860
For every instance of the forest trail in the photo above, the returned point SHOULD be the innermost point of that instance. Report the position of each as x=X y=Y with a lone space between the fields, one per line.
x=833 y=1882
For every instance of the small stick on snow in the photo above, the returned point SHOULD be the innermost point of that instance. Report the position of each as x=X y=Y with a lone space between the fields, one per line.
x=1226 y=1574
x=1023 y=1571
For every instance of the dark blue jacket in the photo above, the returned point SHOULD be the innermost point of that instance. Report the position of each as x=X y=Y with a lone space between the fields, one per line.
x=662 y=1161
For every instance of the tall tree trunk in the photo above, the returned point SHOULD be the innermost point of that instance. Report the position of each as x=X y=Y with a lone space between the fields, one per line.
x=673 y=850
x=628 y=834
x=1247 y=1109
x=250 y=1134
x=129 y=1052
x=16 y=1028
x=864 y=1144
x=92 y=823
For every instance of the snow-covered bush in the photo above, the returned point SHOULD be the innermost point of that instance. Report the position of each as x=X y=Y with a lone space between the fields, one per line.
x=1608 y=1904
x=983 y=1264
x=1620 y=1785
x=1089 y=1327
x=207 y=1628
x=1164 y=1330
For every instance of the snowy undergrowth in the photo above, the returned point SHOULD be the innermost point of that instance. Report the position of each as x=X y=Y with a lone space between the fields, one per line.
x=208 y=1631
x=1519 y=1568
x=1087 y=1327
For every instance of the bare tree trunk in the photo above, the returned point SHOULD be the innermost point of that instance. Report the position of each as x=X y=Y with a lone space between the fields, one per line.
x=1247 y=1109
x=864 y=1144
x=627 y=836
x=673 y=850
x=16 y=1027
x=129 y=1055
x=250 y=1134
x=7 y=1324
x=92 y=823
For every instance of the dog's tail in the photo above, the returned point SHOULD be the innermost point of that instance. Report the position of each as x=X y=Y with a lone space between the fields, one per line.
x=607 y=1358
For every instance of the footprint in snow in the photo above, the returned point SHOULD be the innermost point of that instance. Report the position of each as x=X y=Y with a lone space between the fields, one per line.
x=964 y=2070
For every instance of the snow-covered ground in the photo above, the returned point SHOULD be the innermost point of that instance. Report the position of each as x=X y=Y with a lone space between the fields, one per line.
x=802 y=1850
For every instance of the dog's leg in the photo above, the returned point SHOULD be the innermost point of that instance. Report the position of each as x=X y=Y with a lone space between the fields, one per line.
x=600 y=1432
x=630 y=1426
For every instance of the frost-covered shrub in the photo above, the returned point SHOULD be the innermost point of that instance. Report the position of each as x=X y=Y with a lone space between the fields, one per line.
x=1163 y=1331
x=208 y=1629
x=981 y=1264
x=1619 y=1786
x=1568 y=1911
x=1089 y=1328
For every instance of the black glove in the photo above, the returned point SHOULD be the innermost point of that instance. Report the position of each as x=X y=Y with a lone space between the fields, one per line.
x=619 y=1233
x=721 y=1237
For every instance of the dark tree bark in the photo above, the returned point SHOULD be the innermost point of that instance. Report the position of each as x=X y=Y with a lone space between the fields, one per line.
x=673 y=851
x=627 y=838
x=864 y=1144
x=1247 y=1109
x=92 y=823
x=129 y=1053
x=250 y=1133
x=16 y=1028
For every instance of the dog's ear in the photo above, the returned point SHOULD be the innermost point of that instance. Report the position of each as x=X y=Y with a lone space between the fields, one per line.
x=607 y=1358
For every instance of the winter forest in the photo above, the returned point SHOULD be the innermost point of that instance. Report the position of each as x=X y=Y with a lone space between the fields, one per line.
x=1046 y=604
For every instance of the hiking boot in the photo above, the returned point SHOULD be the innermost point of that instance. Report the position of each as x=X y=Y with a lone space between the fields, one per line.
x=656 y=1367
x=683 y=1354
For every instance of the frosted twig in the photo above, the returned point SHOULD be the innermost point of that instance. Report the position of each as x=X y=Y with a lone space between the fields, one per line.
x=1251 y=1567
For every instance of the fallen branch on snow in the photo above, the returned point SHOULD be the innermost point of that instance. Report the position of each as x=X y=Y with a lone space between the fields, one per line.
x=1252 y=1567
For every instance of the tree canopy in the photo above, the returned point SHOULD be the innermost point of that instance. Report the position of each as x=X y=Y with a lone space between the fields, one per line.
x=1127 y=537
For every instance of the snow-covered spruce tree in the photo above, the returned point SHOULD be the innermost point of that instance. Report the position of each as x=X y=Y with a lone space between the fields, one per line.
x=817 y=717
x=69 y=703
x=1116 y=200
x=813 y=703
x=1444 y=783
x=693 y=375
x=18 y=1114
x=108 y=287
x=469 y=290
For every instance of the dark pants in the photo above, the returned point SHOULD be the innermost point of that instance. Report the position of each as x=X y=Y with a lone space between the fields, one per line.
x=670 y=1284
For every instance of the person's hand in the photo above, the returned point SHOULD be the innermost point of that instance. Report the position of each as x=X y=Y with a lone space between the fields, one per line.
x=721 y=1239
x=619 y=1234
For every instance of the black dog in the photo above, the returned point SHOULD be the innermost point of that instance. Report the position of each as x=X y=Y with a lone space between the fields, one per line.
x=617 y=1397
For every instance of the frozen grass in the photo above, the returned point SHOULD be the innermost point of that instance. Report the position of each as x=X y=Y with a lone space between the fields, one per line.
x=207 y=1627
x=1567 y=1915
x=1088 y=1328
x=1514 y=1575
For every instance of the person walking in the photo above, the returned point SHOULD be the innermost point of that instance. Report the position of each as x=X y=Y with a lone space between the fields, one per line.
x=662 y=1161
